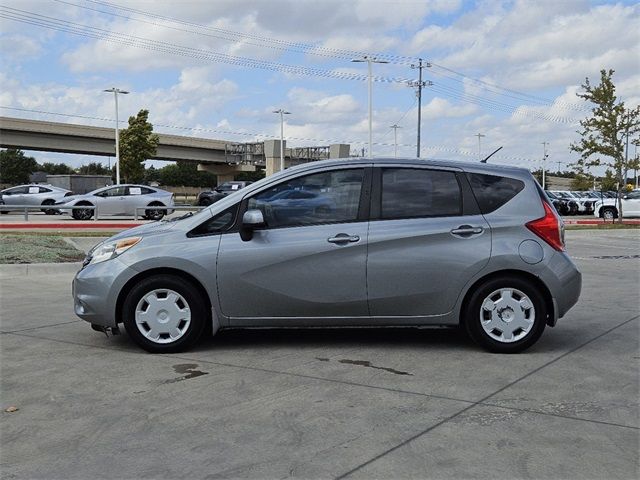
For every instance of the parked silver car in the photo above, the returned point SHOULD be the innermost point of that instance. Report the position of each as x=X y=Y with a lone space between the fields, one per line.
x=34 y=195
x=120 y=200
x=407 y=243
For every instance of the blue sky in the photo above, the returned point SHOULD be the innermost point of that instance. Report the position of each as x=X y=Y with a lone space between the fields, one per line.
x=506 y=69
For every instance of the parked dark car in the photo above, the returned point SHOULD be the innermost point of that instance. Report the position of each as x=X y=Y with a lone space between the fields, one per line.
x=209 y=197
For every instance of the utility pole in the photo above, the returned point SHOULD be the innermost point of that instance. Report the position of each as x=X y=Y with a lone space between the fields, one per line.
x=479 y=135
x=544 y=162
x=370 y=60
x=419 y=85
x=559 y=166
x=282 y=114
x=116 y=91
x=395 y=139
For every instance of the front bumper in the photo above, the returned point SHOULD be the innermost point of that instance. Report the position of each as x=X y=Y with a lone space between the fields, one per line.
x=95 y=291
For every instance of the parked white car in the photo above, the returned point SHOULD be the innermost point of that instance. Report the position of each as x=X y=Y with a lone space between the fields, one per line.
x=33 y=195
x=120 y=200
x=607 y=208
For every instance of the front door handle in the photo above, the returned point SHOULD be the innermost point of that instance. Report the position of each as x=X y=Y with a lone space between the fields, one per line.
x=467 y=230
x=343 y=238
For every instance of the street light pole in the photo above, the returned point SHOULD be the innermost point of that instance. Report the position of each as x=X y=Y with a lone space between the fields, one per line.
x=370 y=61
x=479 y=135
x=116 y=91
x=282 y=114
x=395 y=139
x=544 y=163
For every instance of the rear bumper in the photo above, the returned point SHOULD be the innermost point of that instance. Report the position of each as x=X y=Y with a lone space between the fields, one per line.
x=564 y=281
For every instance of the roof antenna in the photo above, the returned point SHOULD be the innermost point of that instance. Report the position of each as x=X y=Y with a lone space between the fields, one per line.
x=490 y=155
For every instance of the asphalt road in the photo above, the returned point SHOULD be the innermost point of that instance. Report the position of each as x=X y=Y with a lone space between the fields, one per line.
x=327 y=404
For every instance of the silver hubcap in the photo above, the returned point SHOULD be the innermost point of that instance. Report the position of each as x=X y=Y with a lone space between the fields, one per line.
x=163 y=316
x=507 y=315
x=608 y=214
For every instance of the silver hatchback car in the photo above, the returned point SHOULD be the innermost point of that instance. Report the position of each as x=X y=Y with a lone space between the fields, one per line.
x=381 y=242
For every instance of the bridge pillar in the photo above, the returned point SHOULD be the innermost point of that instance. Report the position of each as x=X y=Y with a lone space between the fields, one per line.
x=272 y=156
x=225 y=173
x=339 y=150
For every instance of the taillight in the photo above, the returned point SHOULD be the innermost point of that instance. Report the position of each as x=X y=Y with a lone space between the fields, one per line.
x=549 y=228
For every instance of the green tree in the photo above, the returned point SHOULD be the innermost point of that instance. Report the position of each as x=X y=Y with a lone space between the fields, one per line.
x=137 y=144
x=56 y=168
x=608 y=183
x=605 y=132
x=15 y=166
x=185 y=174
x=581 y=182
x=94 y=168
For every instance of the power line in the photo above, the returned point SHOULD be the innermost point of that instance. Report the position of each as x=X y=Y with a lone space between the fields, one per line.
x=201 y=54
x=262 y=41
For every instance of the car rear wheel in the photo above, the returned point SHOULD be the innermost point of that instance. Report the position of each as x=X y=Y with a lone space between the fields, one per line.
x=506 y=315
x=49 y=211
x=164 y=314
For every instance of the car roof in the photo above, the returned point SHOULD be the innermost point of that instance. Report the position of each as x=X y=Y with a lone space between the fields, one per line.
x=470 y=166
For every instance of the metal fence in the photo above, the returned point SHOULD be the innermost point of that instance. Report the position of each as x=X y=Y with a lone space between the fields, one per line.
x=40 y=208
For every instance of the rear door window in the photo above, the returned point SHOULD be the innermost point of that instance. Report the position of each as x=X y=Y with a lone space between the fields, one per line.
x=493 y=191
x=413 y=192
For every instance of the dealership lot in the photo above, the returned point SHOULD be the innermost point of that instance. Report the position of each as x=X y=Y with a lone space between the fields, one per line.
x=325 y=404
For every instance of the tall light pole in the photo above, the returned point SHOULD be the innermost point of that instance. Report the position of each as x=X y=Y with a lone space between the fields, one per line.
x=479 y=135
x=369 y=60
x=395 y=139
x=282 y=114
x=116 y=91
x=544 y=163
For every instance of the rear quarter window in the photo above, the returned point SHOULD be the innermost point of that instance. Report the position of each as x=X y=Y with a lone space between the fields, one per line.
x=493 y=191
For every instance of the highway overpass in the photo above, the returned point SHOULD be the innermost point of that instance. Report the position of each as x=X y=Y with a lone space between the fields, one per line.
x=217 y=156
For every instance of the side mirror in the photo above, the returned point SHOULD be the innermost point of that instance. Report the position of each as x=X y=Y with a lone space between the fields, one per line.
x=251 y=220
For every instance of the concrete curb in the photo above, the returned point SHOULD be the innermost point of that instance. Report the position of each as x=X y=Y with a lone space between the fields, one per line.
x=25 y=269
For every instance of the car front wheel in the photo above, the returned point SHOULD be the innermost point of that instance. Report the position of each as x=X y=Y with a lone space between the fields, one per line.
x=82 y=213
x=164 y=314
x=154 y=213
x=506 y=315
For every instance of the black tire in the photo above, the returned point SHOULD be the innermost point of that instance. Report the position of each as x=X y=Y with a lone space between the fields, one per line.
x=197 y=306
x=205 y=202
x=475 y=312
x=49 y=211
x=82 y=213
x=573 y=209
x=609 y=213
x=154 y=214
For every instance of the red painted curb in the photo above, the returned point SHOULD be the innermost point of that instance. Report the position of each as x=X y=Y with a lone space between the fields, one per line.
x=599 y=222
x=85 y=226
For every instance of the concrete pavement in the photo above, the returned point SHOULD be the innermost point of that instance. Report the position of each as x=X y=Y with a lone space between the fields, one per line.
x=327 y=404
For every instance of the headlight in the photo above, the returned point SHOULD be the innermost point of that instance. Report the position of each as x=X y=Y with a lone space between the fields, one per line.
x=109 y=250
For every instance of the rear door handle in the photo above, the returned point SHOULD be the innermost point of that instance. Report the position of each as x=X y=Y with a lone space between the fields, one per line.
x=343 y=238
x=464 y=230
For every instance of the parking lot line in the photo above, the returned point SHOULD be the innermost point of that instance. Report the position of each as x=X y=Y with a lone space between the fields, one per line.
x=480 y=402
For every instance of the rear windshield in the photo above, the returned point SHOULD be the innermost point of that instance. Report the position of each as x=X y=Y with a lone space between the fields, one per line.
x=492 y=191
